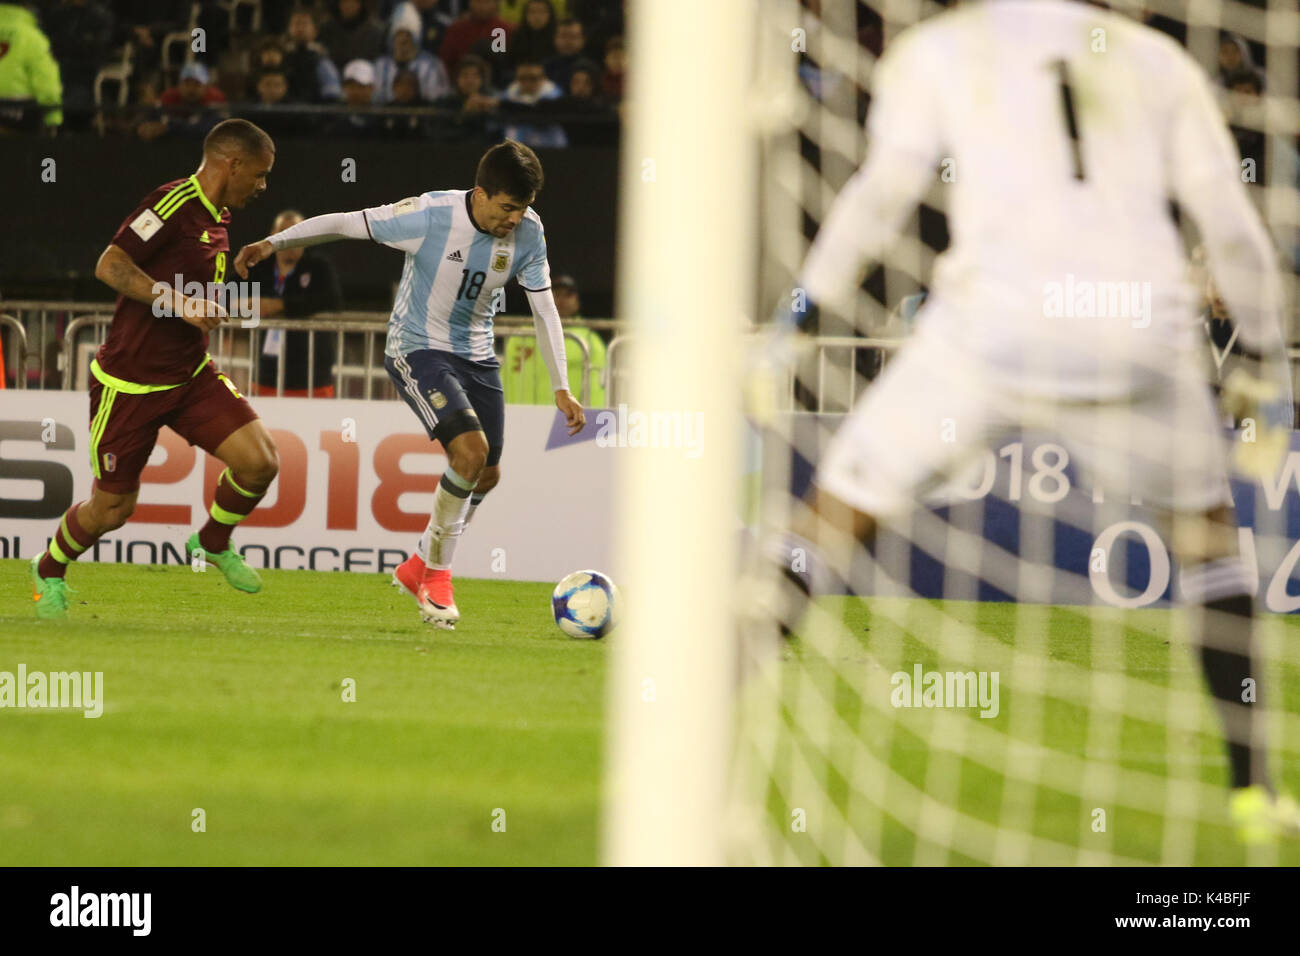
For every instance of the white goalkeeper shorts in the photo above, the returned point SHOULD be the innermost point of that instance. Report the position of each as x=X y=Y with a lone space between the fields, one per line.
x=934 y=414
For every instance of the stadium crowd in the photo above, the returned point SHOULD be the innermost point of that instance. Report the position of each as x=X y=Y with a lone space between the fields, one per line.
x=549 y=73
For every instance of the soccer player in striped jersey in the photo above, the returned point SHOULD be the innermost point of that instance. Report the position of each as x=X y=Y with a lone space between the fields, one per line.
x=154 y=368
x=462 y=246
x=1069 y=128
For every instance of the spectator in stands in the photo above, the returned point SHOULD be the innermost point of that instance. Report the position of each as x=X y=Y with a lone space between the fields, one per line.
x=434 y=16
x=270 y=54
x=515 y=12
x=479 y=24
x=1234 y=55
x=600 y=126
x=80 y=33
x=584 y=83
x=270 y=57
x=352 y=33
x=406 y=55
x=567 y=301
x=570 y=39
x=30 y=91
x=313 y=78
x=303 y=284
x=530 y=87
x=532 y=109
x=406 y=93
x=472 y=99
x=615 y=63
x=358 y=91
x=524 y=376
x=272 y=95
x=534 y=39
x=272 y=87
x=190 y=108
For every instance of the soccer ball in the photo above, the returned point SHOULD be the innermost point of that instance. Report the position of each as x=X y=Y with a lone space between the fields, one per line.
x=585 y=604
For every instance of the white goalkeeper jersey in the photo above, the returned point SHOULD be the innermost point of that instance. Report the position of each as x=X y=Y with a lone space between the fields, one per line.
x=1057 y=132
x=453 y=272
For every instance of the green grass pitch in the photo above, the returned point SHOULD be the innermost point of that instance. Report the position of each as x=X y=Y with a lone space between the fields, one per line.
x=1061 y=648
x=234 y=704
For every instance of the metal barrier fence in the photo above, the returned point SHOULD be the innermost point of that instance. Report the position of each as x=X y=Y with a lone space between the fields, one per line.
x=16 y=345
x=52 y=343
x=69 y=333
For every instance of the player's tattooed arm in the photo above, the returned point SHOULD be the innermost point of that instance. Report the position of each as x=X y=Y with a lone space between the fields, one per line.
x=116 y=270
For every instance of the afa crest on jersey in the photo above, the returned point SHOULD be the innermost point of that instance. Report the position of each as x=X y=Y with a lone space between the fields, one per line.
x=499 y=263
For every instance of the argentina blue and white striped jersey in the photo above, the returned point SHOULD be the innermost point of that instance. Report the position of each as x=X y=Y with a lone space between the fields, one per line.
x=454 y=275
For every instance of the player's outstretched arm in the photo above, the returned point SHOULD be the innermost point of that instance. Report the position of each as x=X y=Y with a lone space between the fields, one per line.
x=1205 y=178
x=309 y=232
x=119 y=272
x=550 y=341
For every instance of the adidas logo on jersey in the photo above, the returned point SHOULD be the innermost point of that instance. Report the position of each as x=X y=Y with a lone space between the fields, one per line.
x=456 y=257
x=204 y=237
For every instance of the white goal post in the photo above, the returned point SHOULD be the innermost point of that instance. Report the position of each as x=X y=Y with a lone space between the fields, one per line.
x=684 y=282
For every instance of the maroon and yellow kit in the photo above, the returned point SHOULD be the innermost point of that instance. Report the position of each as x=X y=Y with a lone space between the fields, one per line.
x=154 y=370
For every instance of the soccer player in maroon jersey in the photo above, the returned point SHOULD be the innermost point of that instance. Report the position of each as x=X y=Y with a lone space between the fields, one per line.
x=154 y=369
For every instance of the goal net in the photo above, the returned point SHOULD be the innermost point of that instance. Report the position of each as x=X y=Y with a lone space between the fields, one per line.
x=1007 y=674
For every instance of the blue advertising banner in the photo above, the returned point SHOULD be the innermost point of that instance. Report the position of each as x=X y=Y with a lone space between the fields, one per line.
x=1026 y=494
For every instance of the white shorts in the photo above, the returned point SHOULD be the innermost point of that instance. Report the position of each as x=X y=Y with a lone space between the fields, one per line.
x=933 y=411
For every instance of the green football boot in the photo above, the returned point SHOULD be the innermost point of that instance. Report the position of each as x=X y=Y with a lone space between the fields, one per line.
x=50 y=594
x=237 y=573
x=1261 y=817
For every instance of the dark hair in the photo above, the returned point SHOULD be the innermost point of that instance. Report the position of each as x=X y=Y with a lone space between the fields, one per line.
x=474 y=62
x=1247 y=75
x=237 y=134
x=511 y=168
x=528 y=61
x=583 y=65
x=567 y=21
x=523 y=12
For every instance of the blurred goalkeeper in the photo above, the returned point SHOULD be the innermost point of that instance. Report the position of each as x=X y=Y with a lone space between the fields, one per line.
x=1063 y=303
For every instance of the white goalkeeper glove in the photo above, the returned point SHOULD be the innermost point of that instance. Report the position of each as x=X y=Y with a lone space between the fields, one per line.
x=771 y=361
x=1258 y=394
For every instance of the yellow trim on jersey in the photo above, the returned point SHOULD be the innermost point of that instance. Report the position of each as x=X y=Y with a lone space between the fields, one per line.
x=204 y=199
x=182 y=193
x=174 y=200
x=135 y=388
